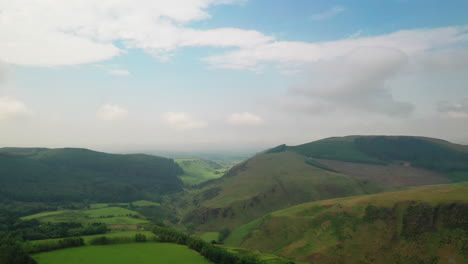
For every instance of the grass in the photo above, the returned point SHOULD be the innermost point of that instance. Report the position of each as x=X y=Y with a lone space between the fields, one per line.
x=265 y=257
x=106 y=215
x=199 y=170
x=141 y=253
x=209 y=236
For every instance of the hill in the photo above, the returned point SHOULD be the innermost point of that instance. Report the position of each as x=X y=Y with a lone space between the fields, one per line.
x=197 y=171
x=48 y=175
x=420 y=225
x=324 y=169
x=263 y=184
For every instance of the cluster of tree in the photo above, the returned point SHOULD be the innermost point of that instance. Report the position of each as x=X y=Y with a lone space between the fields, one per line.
x=212 y=252
x=104 y=240
x=44 y=246
x=12 y=252
x=26 y=175
x=35 y=230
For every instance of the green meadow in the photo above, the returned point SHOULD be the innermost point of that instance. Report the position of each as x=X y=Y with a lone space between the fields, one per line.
x=141 y=253
x=106 y=215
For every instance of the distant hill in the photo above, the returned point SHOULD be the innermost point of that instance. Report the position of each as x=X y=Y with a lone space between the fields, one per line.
x=335 y=167
x=49 y=175
x=197 y=171
x=420 y=225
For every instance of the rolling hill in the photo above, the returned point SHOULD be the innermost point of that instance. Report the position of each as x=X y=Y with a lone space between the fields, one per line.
x=420 y=225
x=324 y=169
x=48 y=175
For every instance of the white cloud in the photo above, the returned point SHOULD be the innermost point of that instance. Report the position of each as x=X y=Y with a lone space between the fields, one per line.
x=454 y=110
x=357 y=81
x=330 y=13
x=56 y=32
x=245 y=118
x=410 y=42
x=111 y=112
x=119 y=72
x=182 y=121
x=13 y=109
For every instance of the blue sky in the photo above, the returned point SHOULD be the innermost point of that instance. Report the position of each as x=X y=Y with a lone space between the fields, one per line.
x=234 y=75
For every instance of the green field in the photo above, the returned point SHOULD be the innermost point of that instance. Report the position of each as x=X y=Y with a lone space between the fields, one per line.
x=106 y=215
x=198 y=170
x=138 y=253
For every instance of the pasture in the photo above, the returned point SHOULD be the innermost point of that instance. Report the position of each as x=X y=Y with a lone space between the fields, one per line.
x=141 y=253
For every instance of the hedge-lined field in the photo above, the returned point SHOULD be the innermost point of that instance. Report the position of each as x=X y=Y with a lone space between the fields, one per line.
x=142 y=253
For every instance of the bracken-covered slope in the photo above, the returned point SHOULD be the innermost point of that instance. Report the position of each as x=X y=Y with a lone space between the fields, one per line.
x=324 y=169
x=420 y=225
x=38 y=174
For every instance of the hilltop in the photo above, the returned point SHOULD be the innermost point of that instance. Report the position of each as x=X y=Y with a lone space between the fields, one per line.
x=69 y=174
x=335 y=167
x=420 y=225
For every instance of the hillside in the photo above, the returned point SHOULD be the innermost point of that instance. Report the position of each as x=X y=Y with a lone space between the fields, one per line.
x=263 y=184
x=324 y=169
x=197 y=171
x=420 y=225
x=48 y=175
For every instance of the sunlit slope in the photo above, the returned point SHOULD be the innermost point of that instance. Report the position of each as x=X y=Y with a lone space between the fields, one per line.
x=197 y=171
x=266 y=183
x=421 y=225
x=77 y=174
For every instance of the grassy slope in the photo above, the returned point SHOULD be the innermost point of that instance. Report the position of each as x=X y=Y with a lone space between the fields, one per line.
x=77 y=174
x=144 y=253
x=197 y=171
x=336 y=231
x=266 y=183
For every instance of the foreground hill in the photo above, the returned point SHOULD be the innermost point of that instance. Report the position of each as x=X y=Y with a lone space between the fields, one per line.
x=324 y=169
x=47 y=175
x=421 y=225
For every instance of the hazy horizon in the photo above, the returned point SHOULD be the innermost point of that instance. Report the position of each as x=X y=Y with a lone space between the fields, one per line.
x=229 y=76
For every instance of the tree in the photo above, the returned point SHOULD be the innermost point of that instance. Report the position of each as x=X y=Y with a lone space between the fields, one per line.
x=223 y=234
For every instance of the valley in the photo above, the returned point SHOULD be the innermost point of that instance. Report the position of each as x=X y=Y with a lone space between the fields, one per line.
x=357 y=199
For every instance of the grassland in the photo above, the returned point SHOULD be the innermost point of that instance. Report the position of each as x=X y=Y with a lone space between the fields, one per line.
x=393 y=227
x=106 y=215
x=197 y=171
x=141 y=253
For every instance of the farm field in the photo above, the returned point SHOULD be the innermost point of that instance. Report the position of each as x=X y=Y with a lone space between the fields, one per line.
x=141 y=253
x=106 y=215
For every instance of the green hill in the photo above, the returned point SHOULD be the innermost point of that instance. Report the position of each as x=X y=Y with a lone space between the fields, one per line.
x=197 y=171
x=324 y=169
x=48 y=175
x=421 y=225
x=263 y=184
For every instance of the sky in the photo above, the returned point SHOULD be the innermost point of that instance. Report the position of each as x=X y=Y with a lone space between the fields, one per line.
x=229 y=75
